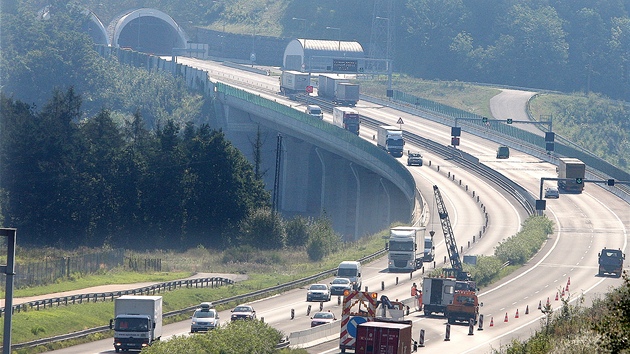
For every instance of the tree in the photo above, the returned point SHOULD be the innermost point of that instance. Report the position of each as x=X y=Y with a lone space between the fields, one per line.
x=614 y=326
x=322 y=239
x=298 y=229
x=263 y=229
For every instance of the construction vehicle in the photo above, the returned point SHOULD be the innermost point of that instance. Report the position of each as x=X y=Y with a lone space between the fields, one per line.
x=439 y=293
x=360 y=307
x=457 y=269
x=465 y=307
x=611 y=262
x=571 y=172
x=383 y=337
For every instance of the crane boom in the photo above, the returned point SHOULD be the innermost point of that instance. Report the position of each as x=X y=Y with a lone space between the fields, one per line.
x=449 y=237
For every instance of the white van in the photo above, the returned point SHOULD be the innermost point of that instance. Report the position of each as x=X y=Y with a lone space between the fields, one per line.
x=352 y=271
x=315 y=111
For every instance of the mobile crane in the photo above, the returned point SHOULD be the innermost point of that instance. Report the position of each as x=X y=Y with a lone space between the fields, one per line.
x=455 y=298
x=449 y=239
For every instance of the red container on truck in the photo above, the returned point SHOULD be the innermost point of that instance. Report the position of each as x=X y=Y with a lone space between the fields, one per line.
x=383 y=337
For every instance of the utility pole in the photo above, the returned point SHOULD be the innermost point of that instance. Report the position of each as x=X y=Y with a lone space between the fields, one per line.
x=276 y=180
x=9 y=271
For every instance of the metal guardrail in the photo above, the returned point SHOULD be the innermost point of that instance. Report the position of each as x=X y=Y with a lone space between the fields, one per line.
x=512 y=136
x=240 y=298
x=104 y=296
x=471 y=163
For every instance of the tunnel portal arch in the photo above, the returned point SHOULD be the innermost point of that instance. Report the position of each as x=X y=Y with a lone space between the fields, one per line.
x=147 y=30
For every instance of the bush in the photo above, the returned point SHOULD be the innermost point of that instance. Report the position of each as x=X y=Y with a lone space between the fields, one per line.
x=264 y=229
x=519 y=248
x=322 y=240
x=239 y=337
x=297 y=231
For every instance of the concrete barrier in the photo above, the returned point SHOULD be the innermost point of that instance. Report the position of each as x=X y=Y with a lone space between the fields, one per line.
x=315 y=335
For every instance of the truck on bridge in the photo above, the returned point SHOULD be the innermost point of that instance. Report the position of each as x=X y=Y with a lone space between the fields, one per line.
x=338 y=89
x=347 y=118
x=293 y=82
x=390 y=139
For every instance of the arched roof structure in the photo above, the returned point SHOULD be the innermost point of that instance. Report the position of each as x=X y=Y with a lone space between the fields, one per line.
x=317 y=54
x=95 y=29
x=147 y=30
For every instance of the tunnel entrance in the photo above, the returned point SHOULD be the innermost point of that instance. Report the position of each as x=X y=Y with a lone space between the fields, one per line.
x=149 y=35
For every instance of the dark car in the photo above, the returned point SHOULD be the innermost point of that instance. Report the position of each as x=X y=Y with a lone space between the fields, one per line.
x=339 y=285
x=414 y=158
x=320 y=318
x=503 y=152
x=243 y=312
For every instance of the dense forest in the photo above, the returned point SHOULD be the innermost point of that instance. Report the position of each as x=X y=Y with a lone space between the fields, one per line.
x=93 y=153
x=63 y=183
x=570 y=46
x=92 y=182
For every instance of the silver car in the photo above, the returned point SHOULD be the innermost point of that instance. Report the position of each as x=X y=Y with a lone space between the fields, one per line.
x=204 y=319
x=552 y=192
x=339 y=285
x=318 y=292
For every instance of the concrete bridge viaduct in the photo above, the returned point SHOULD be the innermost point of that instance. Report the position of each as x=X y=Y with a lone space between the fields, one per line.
x=324 y=170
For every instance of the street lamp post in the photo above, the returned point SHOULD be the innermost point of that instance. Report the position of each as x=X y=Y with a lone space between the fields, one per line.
x=388 y=58
x=303 y=20
x=338 y=35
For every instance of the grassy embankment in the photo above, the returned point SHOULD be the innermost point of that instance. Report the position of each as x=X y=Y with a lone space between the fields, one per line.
x=264 y=269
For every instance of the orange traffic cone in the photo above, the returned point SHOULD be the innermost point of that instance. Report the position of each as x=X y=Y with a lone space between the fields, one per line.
x=569 y=281
x=540 y=304
x=566 y=287
x=556 y=296
x=547 y=300
x=491 y=321
x=562 y=292
x=527 y=310
x=516 y=316
x=506 y=317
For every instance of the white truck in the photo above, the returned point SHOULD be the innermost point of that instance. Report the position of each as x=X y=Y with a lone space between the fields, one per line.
x=293 y=82
x=347 y=118
x=404 y=253
x=137 y=321
x=338 y=89
x=572 y=169
x=390 y=139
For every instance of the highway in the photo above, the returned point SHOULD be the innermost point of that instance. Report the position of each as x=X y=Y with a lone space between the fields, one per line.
x=584 y=224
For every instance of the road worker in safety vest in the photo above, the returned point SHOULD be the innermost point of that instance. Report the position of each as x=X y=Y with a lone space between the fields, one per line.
x=416 y=293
